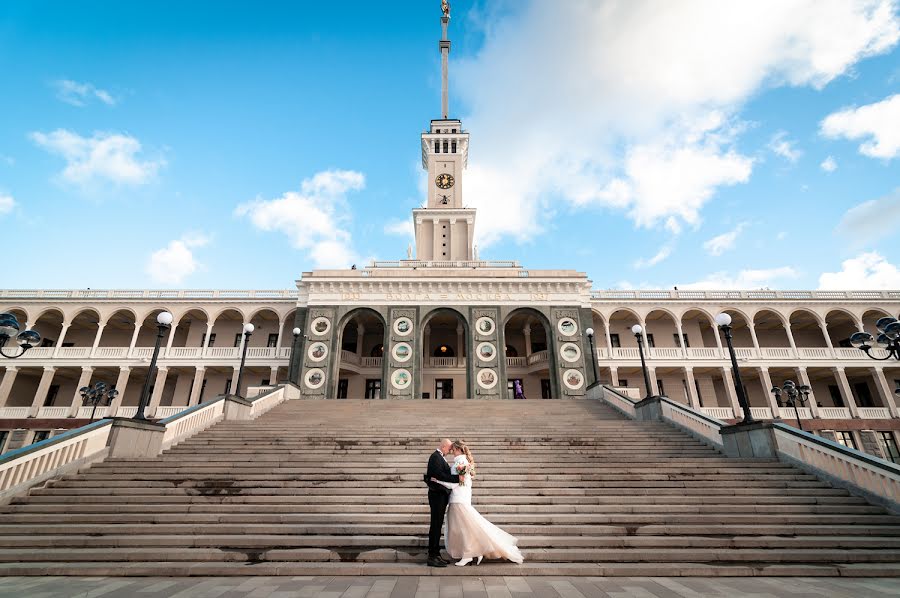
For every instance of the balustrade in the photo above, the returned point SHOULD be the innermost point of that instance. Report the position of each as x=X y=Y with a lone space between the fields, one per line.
x=718 y=412
x=788 y=413
x=515 y=362
x=870 y=412
x=832 y=413
x=53 y=412
x=761 y=412
x=349 y=357
x=539 y=357
x=371 y=362
x=443 y=362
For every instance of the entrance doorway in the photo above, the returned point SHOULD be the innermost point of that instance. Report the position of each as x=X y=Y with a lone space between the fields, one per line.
x=443 y=388
x=343 y=383
x=546 y=393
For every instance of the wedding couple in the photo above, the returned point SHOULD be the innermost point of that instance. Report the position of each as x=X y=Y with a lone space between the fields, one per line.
x=469 y=536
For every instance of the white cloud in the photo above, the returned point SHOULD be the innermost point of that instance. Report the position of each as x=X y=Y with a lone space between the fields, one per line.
x=745 y=279
x=784 y=147
x=7 y=203
x=871 y=219
x=79 y=94
x=175 y=262
x=724 y=242
x=829 y=164
x=660 y=256
x=878 y=124
x=403 y=228
x=642 y=119
x=867 y=271
x=112 y=157
x=312 y=219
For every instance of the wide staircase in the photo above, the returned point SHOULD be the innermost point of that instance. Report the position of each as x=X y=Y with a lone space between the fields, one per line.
x=335 y=488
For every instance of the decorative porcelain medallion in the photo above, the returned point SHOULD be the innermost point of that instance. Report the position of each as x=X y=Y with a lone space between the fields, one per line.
x=570 y=352
x=567 y=326
x=573 y=379
x=403 y=326
x=487 y=379
x=401 y=379
x=485 y=326
x=317 y=351
x=315 y=378
x=320 y=326
x=402 y=352
x=486 y=351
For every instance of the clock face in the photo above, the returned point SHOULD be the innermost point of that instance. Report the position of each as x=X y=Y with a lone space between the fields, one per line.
x=444 y=181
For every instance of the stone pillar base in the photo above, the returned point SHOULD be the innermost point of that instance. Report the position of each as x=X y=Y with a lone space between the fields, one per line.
x=135 y=438
x=237 y=408
x=648 y=409
x=755 y=439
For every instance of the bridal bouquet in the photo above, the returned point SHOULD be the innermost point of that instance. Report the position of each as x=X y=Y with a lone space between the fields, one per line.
x=462 y=470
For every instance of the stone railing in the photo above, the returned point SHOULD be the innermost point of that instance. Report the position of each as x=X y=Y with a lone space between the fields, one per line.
x=747 y=295
x=146 y=294
x=539 y=357
x=742 y=353
x=875 y=479
x=124 y=353
x=23 y=468
x=515 y=362
x=444 y=264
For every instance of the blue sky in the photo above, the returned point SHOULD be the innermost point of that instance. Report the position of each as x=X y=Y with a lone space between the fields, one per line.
x=237 y=144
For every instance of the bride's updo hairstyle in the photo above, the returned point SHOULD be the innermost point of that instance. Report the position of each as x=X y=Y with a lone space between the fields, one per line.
x=462 y=446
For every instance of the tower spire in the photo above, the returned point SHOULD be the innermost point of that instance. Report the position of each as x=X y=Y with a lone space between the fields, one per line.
x=445 y=56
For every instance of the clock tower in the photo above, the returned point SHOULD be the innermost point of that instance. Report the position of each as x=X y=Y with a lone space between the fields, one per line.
x=444 y=227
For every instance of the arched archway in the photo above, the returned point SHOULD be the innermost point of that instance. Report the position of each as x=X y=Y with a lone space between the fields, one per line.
x=530 y=357
x=444 y=377
x=841 y=324
x=806 y=329
x=358 y=366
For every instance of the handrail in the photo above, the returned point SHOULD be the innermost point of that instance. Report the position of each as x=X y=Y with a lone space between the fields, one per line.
x=15 y=454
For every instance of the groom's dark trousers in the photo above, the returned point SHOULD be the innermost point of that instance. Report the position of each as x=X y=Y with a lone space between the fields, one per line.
x=438 y=497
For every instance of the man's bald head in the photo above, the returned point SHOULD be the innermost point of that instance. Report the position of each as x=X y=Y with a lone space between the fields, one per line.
x=446 y=443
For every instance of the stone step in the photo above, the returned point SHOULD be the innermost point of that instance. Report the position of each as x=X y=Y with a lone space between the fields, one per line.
x=711 y=529
x=329 y=569
x=265 y=542
x=486 y=510
x=624 y=554
x=501 y=519
x=261 y=502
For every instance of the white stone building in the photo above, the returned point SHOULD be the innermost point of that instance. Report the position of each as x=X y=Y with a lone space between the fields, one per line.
x=446 y=325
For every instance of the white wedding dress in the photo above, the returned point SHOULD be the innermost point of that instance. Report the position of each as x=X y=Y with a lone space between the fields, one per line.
x=468 y=534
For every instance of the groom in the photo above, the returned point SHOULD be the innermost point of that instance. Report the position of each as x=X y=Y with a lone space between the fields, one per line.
x=438 y=496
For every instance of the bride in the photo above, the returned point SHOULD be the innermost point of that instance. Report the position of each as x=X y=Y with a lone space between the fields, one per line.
x=469 y=535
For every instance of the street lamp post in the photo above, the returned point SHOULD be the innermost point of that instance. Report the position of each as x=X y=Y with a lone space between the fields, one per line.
x=9 y=328
x=96 y=394
x=888 y=339
x=795 y=394
x=724 y=322
x=163 y=322
x=590 y=335
x=638 y=332
x=248 y=330
x=296 y=332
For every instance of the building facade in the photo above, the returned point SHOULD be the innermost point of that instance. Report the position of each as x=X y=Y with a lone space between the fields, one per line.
x=445 y=325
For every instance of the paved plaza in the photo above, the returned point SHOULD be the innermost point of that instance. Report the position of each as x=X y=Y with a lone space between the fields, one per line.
x=436 y=587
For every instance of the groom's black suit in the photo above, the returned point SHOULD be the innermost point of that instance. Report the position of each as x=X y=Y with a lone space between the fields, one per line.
x=438 y=496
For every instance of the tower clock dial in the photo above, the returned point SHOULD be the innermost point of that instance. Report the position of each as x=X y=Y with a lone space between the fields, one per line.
x=444 y=181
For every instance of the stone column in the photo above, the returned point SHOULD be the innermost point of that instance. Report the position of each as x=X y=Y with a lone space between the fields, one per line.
x=278 y=338
x=884 y=391
x=728 y=379
x=460 y=347
x=426 y=349
x=209 y=328
x=846 y=392
x=718 y=336
x=40 y=395
x=803 y=378
x=680 y=331
x=83 y=380
x=824 y=327
x=100 y=328
x=134 y=337
x=766 y=380
x=360 y=335
x=527 y=332
x=436 y=246
x=653 y=390
x=273 y=374
x=234 y=380
x=752 y=327
x=121 y=386
x=172 y=330
x=62 y=337
x=9 y=379
x=159 y=385
x=790 y=337
x=197 y=387
x=691 y=388
x=614 y=375
x=608 y=339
